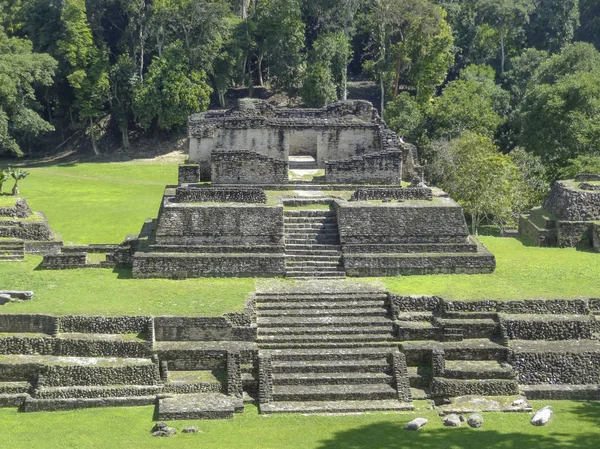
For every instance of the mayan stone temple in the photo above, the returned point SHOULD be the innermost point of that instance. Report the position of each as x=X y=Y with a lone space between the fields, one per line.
x=320 y=197
x=235 y=211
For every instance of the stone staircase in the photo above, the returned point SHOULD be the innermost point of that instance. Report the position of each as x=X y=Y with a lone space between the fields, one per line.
x=327 y=353
x=312 y=245
x=455 y=354
x=11 y=250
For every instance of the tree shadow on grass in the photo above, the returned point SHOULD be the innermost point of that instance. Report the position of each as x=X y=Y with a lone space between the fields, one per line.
x=588 y=411
x=393 y=436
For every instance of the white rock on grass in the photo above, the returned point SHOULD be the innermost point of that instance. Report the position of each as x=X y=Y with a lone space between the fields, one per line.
x=415 y=424
x=542 y=416
x=452 y=420
x=475 y=420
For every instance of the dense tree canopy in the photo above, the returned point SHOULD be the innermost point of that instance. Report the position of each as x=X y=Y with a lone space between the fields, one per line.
x=522 y=74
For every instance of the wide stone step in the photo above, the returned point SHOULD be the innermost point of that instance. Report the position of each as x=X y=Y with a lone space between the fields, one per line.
x=66 y=371
x=320 y=305
x=470 y=328
x=315 y=258
x=445 y=387
x=334 y=407
x=321 y=297
x=332 y=378
x=380 y=365
x=472 y=349
x=478 y=369
x=11 y=258
x=347 y=310
x=415 y=330
x=198 y=406
x=41 y=405
x=308 y=213
x=302 y=330
x=325 y=241
x=94 y=391
x=338 y=321
x=307 y=275
x=14 y=387
x=317 y=248
x=333 y=392
x=311 y=254
x=313 y=264
x=585 y=392
x=329 y=354
x=316 y=226
x=470 y=315
x=325 y=338
x=324 y=344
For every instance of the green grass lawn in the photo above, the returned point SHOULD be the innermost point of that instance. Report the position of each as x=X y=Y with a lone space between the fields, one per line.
x=97 y=202
x=102 y=291
x=522 y=272
x=575 y=425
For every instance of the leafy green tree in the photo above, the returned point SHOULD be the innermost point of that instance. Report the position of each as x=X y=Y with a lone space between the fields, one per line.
x=553 y=24
x=410 y=42
x=405 y=116
x=17 y=174
x=589 y=30
x=171 y=91
x=521 y=73
x=474 y=103
x=534 y=176
x=88 y=66
x=581 y=164
x=318 y=88
x=124 y=80
x=509 y=19
x=560 y=114
x=21 y=71
x=333 y=51
x=485 y=182
x=280 y=41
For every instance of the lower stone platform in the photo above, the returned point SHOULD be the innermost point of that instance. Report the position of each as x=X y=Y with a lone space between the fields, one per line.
x=335 y=406
x=199 y=406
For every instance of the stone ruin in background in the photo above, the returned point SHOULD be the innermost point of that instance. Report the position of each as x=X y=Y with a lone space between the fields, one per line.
x=569 y=217
x=230 y=227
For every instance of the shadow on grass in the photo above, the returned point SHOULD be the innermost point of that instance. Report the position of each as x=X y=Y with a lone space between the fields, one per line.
x=393 y=436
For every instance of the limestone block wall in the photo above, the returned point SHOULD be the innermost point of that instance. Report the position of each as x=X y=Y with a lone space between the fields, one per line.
x=188 y=173
x=208 y=224
x=233 y=194
x=247 y=167
x=373 y=168
x=567 y=202
x=394 y=193
x=34 y=227
x=30 y=323
x=19 y=210
x=201 y=329
x=436 y=221
x=570 y=234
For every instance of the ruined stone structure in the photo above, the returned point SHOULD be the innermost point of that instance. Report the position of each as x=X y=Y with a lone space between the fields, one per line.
x=569 y=217
x=312 y=347
x=230 y=227
x=23 y=231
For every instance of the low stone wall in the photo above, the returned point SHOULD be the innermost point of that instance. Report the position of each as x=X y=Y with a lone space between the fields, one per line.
x=104 y=325
x=415 y=303
x=408 y=264
x=28 y=323
x=596 y=236
x=181 y=266
x=569 y=203
x=207 y=224
x=548 y=327
x=586 y=177
x=142 y=374
x=394 y=193
x=52 y=405
x=442 y=387
x=526 y=306
x=201 y=329
x=247 y=167
x=19 y=210
x=384 y=167
x=436 y=221
x=546 y=366
x=188 y=174
x=220 y=195
x=63 y=261
x=27 y=228
x=572 y=234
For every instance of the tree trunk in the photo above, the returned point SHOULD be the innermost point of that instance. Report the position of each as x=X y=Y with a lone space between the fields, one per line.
x=15 y=189
x=345 y=84
x=259 y=68
x=93 y=138
x=382 y=91
x=125 y=136
x=473 y=224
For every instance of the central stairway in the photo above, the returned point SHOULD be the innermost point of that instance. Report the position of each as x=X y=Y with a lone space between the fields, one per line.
x=312 y=245
x=328 y=353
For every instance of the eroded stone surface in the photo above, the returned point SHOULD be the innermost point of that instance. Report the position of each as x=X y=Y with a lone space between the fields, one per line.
x=475 y=421
x=416 y=424
x=542 y=416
